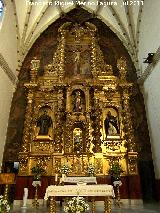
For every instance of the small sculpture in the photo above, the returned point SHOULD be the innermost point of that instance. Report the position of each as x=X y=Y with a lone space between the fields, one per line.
x=44 y=122
x=78 y=102
x=111 y=125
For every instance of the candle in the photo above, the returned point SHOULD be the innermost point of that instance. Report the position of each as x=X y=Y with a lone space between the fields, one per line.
x=63 y=176
x=56 y=177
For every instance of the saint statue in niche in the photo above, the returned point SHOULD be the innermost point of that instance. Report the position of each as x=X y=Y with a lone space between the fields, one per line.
x=77 y=102
x=111 y=125
x=44 y=122
x=77 y=137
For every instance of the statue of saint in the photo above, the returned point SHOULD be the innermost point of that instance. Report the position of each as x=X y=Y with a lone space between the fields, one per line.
x=77 y=144
x=111 y=125
x=44 y=122
x=78 y=102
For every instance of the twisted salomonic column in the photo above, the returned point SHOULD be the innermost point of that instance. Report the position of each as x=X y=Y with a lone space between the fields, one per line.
x=127 y=120
x=59 y=122
x=30 y=87
x=127 y=89
x=27 y=132
x=59 y=57
x=93 y=56
x=96 y=125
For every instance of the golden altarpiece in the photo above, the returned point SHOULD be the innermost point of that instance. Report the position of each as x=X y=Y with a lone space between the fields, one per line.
x=78 y=112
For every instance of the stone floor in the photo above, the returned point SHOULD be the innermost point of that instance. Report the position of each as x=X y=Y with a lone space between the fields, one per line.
x=125 y=208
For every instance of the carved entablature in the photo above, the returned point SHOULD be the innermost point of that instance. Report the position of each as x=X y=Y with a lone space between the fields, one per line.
x=77 y=110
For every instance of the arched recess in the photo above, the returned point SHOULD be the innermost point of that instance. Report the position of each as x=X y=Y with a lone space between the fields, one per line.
x=44 y=49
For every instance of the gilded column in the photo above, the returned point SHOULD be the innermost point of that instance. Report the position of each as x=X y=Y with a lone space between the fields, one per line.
x=27 y=122
x=30 y=87
x=59 y=57
x=96 y=125
x=94 y=51
x=59 y=122
x=62 y=55
x=27 y=132
x=93 y=56
x=128 y=89
x=127 y=120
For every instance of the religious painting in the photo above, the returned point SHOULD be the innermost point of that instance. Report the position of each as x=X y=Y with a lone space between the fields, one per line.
x=78 y=60
x=44 y=123
x=111 y=127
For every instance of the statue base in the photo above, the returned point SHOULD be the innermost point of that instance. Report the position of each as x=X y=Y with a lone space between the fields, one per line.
x=43 y=137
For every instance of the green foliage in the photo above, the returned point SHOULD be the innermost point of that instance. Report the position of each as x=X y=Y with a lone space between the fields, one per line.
x=115 y=170
x=37 y=171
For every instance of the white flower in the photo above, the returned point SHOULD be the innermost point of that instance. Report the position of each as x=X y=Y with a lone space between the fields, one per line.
x=4 y=202
x=76 y=205
x=64 y=169
x=4 y=206
x=91 y=169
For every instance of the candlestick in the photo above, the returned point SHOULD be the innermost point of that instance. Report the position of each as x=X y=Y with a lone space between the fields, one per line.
x=63 y=176
x=56 y=177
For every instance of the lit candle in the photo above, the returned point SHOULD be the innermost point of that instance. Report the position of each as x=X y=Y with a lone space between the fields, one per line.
x=56 y=177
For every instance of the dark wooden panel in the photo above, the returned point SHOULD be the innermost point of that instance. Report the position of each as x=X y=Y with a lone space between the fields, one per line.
x=157 y=189
x=130 y=186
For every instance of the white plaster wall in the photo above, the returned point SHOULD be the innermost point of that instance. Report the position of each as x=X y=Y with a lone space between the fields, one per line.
x=8 y=49
x=152 y=102
x=8 y=41
x=6 y=92
x=149 y=39
x=149 y=42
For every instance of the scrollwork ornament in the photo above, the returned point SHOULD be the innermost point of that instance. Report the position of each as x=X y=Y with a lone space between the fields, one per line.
x=127 y=119
x=132 y=164
x=35 y=64
x=122 y=66
x=23 y=161
x=27 y=126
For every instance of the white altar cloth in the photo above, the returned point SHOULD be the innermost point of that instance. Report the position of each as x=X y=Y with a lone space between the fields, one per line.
x=80 y=179
x=77 y=190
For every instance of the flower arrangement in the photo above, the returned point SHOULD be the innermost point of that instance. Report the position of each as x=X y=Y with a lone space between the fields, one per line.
x=4 y=206
x=64 y=169
x=91 y=170
x=37 y=171
x=115 y=171
x=76 y=205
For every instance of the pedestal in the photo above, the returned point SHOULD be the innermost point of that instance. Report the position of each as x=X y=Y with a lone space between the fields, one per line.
x=36 y=184
x=117 y=184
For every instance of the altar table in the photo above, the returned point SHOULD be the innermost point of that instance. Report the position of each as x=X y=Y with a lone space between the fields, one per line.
x=80 y=190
